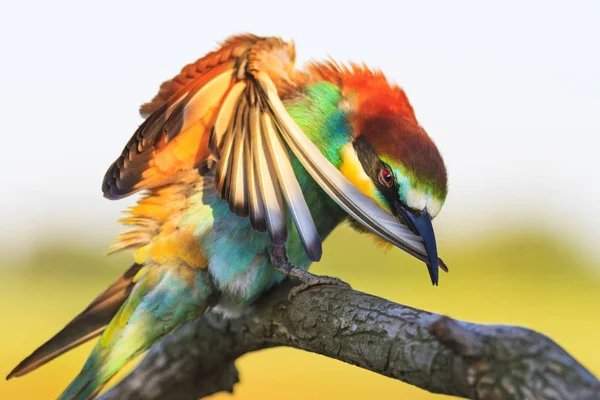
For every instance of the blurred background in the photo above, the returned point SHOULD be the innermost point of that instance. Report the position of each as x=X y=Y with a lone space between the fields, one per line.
x=509 y=92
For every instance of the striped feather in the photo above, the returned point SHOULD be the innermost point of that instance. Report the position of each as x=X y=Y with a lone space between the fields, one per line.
x=87 y=325
x=226 y=56
x=291 y=189
x=255 y=204
x=359 y=206
x=228 y=105
x=235 y=131
x=237 y=182
x=267 y=183
x=196 y=104
x=224 y=117
x=225 y=151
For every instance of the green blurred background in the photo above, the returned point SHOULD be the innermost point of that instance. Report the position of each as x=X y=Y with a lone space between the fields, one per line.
x=507 y=90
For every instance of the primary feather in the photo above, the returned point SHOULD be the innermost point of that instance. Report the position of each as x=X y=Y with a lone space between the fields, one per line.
x=238 y=152
x=87 y=325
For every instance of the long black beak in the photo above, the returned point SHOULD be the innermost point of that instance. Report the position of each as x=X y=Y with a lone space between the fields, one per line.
x=420 y=223
x=410 y=232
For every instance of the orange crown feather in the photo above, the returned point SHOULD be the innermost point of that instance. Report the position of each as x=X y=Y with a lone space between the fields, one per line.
x=372 y=93
x=381 y=111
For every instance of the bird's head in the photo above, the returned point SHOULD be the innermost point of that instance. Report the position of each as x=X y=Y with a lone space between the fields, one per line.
x=390 y=158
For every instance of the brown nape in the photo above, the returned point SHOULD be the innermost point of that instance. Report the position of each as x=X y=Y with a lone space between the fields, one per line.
x=403 y=140
x=383 y=115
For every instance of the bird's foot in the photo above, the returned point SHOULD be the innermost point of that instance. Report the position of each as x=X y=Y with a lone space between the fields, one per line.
x=282 y=264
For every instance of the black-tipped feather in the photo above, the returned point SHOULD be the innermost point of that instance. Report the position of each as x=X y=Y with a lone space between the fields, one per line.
x=361 y=207
x=291 y=189
x=195 y=104
x=236 y=132
x=225 y=153
x=238 y=203
x=87 y=325
x=255 y=203
x=224 y=118
x=249 y=151
x=268 y=173
x=267 y=183
x=123 y=175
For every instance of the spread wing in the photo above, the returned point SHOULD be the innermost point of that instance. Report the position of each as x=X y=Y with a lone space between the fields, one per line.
x=224 y=97
x=173 y=137
x=227 y=107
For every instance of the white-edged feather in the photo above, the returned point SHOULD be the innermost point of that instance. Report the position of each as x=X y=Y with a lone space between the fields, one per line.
x=291 y=189
x=359 y=206
x=225 y=117
x=267 y=183
x=255 y=203
x=237 y=197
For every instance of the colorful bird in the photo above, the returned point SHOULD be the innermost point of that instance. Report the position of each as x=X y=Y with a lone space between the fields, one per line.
x=247 y=163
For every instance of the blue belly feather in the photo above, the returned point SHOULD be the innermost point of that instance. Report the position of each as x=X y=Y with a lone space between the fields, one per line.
x=239 y=261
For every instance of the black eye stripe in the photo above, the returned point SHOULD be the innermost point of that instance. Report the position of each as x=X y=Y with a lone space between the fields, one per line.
x=386 y=177
x=373 y=166
x=368 y=158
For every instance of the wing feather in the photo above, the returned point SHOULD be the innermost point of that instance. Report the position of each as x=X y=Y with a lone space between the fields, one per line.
x=355 y=203
x=230 y=51
x=237 y=189
x=225 y=112
x=184 y=109
x=85 y=326
x=223 y=164
x=291 y=189
x=268 y=184
x=255 y=204
x=196 y=104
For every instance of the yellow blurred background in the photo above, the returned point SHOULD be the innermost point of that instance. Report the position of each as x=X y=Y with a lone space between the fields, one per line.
x=508 y=91
x=521 y=277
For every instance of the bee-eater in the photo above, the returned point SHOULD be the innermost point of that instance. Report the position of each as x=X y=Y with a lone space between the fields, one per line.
x=245 y=161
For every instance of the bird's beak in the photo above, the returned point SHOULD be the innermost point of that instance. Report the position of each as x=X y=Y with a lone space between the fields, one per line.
x=420 y=223
x=417 y=240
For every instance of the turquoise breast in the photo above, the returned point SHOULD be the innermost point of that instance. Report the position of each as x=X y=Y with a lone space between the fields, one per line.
x=239 y=261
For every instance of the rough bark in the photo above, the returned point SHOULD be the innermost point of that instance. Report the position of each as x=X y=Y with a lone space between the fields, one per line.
x=433 y=352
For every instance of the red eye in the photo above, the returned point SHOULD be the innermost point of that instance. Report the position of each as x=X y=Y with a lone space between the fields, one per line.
x=385 y=177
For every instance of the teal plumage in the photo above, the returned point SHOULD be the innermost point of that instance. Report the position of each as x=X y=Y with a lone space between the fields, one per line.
x=322 y=120
x=231 y=147
x=239 y=266
x=238 y=255
x=162 y=300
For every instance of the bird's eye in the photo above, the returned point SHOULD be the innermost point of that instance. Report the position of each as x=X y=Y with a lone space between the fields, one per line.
x=385 y=177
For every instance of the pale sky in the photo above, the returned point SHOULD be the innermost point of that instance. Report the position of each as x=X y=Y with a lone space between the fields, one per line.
x=509 y=92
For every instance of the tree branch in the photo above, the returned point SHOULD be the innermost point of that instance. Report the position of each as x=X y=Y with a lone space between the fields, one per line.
x=433 y=352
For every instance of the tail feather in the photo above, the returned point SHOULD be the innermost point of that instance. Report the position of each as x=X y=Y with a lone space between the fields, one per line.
x=163 y=299
x=85 y=326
